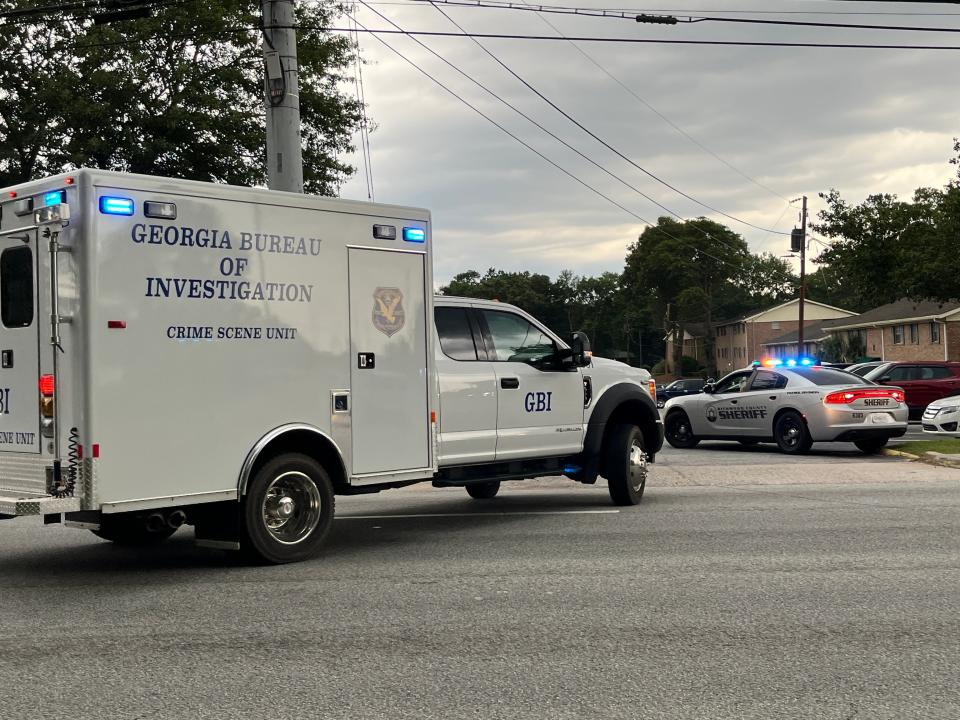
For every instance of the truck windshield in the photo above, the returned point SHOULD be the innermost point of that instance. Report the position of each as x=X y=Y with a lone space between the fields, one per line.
x=16 y=287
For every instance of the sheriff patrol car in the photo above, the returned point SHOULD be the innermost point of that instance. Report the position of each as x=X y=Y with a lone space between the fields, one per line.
x=230 y=358
x=792 y=404
x=941 y=417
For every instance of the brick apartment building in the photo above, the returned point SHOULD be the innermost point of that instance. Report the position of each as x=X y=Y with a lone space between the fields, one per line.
x=741 y=341
x=905 y=330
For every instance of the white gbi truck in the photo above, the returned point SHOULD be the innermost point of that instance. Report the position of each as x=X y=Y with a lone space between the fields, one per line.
x=179 y=352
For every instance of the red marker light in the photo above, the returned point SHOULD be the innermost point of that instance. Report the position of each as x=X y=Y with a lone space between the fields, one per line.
x=116 y=324
x=47 y=385
x=96 y=450
x=69 y=181
x=12 y=193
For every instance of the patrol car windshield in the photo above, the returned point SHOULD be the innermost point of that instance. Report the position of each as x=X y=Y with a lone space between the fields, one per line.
x=827 y=376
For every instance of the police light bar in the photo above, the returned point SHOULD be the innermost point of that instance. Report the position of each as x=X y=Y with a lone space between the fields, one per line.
x=416 y=235
x=802 y=361
x=116 y=205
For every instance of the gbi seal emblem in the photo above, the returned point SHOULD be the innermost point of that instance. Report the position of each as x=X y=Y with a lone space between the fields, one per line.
x=388 y=314
x=712 y=414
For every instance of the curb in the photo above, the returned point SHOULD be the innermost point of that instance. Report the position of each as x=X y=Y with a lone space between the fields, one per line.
x=930 y=458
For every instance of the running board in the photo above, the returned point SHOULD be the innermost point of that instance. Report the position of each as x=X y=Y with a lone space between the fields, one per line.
x=13 y=506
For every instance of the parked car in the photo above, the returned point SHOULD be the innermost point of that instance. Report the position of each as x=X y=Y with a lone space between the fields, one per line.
x=942 y=417
x=863 y=368
x=923 y=382
x=791 y=406
x=679 y=388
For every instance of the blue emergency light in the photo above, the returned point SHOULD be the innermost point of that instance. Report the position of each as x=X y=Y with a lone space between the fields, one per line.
x=54 y=198
x=416 y=235
x=116 y=205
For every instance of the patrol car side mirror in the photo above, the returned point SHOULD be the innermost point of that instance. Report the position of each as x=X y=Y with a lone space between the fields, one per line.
x=580 y=346
x=708 y=388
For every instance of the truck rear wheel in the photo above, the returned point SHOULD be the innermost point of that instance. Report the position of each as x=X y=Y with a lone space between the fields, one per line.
x=287 y=511
x=133 y=530
x=484 y=490
x=625 y=465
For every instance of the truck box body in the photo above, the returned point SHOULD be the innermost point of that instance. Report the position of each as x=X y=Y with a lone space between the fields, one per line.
x=188 y=338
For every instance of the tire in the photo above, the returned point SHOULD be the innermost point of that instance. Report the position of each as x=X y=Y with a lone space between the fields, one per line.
x=678 y=432
x=287 y=511
x=870 y=447
x=748 y=443
x=130 y=530
x=484 y=490
x=625 y=463
x=790 y=432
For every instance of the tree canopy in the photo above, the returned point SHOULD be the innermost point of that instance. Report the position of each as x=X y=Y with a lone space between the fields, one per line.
x=178 y=94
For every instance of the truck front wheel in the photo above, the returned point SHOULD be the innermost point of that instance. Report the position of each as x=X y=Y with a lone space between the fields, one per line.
x=287 y=511
x=626 y=465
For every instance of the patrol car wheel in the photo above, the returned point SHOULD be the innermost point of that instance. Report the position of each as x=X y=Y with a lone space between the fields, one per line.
x=791 y=434
x=870 y=447
x=678 y=432
x=131 y=530
x=484 y=490
x=626 y=465
x=287 y=511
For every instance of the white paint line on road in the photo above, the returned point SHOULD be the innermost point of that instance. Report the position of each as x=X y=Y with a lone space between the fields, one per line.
x=477 y=514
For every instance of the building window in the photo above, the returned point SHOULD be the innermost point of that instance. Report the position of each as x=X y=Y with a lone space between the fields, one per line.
x=914 y=334
x=935 y=333
x=898 y=334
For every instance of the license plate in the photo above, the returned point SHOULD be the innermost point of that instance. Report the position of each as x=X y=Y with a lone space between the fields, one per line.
x=881 y=419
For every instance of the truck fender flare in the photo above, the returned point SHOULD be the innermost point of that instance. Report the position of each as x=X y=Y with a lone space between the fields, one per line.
x=318 y=441
x=615 y=397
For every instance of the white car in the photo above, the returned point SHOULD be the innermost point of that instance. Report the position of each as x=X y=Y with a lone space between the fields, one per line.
x=791 y=406
x=941 y=416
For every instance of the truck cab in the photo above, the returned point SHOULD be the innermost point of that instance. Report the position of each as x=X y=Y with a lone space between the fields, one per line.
x=514 y=403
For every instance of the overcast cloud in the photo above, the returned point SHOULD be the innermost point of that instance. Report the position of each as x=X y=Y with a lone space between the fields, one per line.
x=797 y=120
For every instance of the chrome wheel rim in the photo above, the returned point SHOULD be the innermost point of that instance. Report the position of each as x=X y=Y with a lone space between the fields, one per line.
x=291 y=508
x=638 y=466
x=791 y=434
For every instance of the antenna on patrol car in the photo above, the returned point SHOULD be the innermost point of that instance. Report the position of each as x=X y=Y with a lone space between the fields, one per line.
x=281 y=89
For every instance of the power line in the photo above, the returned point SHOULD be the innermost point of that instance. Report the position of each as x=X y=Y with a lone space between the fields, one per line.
x=509 y=70
x=639 y=41
x=537 y=152
x=674 y=16
x=687 y=11
x=659 y=114
x=603 y=142
x=361 y=99
x=525 y=116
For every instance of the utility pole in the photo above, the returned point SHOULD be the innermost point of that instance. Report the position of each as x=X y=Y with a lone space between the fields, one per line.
x=282 y=91
x=803 y=272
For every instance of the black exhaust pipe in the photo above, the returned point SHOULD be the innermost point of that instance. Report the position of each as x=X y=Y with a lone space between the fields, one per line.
x=176 y=519
x=156 y=522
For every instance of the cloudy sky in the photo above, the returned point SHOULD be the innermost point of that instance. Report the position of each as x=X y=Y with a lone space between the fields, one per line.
x=795 y=120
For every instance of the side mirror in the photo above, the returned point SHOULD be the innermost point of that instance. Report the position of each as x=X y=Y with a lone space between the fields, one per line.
x=708 y=388
x=580 y=347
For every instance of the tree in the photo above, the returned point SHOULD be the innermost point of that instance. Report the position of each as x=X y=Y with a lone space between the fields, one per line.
x=880 y=247
x=691 y=267
x=179 y=94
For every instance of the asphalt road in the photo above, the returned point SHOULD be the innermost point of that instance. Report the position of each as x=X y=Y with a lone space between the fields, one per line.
x=746 y=585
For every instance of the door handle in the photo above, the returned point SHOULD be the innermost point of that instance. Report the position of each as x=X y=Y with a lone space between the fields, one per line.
x=733 y=402
x=509 y=383
x=773 y=397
